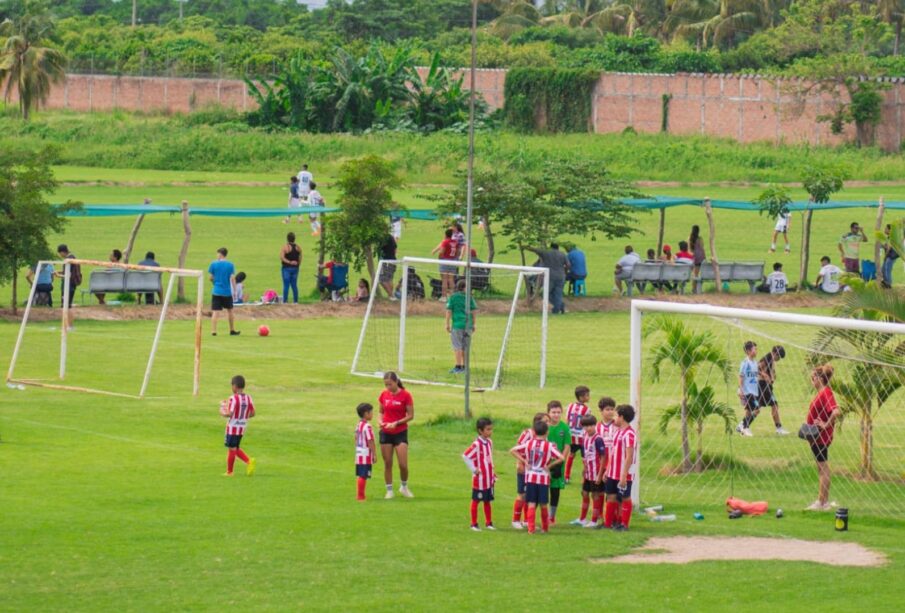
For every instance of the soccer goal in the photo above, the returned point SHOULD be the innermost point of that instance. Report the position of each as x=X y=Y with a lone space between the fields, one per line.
x=695 y=447
x=116 y=274
x=509 y=346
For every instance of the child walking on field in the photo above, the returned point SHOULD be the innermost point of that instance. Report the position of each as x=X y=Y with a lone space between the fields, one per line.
x=479 y=460
x=237 y=410
x=365 y=448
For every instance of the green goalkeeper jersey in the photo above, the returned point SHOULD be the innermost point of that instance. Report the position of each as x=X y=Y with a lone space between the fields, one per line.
x=560 y=436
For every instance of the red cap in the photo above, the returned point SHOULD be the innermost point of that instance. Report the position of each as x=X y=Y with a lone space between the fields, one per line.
x=667 y=248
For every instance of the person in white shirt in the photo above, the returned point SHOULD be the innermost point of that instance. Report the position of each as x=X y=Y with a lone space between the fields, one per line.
x=625 y=266
x=783 y=222
x=315 y=199
x=306 y=179
x=776 y=282
x=828 y=277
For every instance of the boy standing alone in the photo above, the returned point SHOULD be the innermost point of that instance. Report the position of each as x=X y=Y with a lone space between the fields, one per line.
x=223 y=276
x=479 y=459
x=459 y=326
x=237 y=410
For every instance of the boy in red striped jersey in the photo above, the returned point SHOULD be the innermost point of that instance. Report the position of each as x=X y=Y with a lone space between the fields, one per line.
x=594 y=464
x=618 y=486
x=574 y=413
x=539 y=455
x=606 y=427
x=479 y=459
x=365 y=448
x=239 y=409
x=518 y=509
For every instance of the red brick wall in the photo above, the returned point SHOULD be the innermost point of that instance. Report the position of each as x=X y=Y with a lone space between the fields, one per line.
x=745 y=108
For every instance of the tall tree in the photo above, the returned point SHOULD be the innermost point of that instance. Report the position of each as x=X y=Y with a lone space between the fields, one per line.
x=25 y=64
x=893 y=13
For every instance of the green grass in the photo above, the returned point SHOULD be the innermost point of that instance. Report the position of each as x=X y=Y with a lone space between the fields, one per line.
x=113 y=504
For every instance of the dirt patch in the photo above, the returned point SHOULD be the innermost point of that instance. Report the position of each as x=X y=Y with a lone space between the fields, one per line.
x=687 y=549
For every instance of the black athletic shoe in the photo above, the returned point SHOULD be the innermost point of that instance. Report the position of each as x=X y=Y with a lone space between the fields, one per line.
x=234 y=333
x=619 y=528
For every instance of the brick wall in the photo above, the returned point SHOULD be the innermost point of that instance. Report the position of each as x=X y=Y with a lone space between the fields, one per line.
x=745 y=108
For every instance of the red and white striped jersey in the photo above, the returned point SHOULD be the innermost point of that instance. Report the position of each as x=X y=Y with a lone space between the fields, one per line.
x=625 y=439
x=539 y=453
x=526 y=435
x=241 y=409
x=480 y=454
x=574 y=413
x=608 y=433
x=364 y=435
x=594 y=456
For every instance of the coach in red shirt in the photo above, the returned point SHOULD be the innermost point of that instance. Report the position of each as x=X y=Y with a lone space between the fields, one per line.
x=396 y=409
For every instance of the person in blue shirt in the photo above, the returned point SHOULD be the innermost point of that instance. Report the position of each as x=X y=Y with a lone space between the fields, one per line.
x=748 y=388
x=44 y=283
x=150 y=260
x=223 y=276
x=578 y=267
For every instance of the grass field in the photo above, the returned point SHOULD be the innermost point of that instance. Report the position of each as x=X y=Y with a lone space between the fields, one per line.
x=115 y=504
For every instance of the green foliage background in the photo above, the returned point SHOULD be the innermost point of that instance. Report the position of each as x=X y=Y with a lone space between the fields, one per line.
x=562 y=97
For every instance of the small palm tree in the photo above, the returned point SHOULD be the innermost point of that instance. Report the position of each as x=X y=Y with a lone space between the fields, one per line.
x=700 y=405
x=27 y=66
x=688 y=351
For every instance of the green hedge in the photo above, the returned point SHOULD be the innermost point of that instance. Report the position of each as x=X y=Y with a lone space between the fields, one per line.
x=549 y=99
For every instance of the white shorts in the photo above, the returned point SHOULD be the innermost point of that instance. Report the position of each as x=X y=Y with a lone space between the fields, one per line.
x=295 y=203
x=781 y=225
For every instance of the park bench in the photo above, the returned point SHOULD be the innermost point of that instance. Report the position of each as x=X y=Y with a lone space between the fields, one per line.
x=670 y=275
x=114 y=281
x=750 y=272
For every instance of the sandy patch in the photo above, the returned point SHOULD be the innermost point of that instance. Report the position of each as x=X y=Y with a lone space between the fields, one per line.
x=687 y=549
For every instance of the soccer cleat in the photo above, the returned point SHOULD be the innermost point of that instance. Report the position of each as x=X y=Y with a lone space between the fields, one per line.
x=576 y=522
x=475 y=528
x=455 y=370
x=552 y=521
x=490 y=527
x=406 y=492
x=620 y=528
x=517 y=525
x=588 y=524
x=781 y=431
x=234 y=333
x=746 y=432
x=389 y=495
x=250 y=469
x=227 y=474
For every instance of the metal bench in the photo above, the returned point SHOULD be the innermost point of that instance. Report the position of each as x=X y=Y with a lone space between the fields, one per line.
x=751 y=273
x=675 y=275
x=708 y=274
x=114 y=281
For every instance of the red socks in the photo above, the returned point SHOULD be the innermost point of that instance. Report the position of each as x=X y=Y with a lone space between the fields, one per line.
x=610 y=514
x=361 y=482
x=585 y=503
x=517 y=510
x=230 y=460
x=474 y=512
x=569 y=467
x=532 y=516
x=626 y=512
x=598 y=510
x=544 y=518
x=487 y=513
x=241 y=455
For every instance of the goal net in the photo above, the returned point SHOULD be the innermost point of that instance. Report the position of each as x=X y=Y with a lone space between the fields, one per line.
x=697 y=449
x=408 y=334
x=98 y=355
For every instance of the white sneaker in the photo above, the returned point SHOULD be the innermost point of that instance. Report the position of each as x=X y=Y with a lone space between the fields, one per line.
x=739 y=428
x=782 y=431
x=475 y=528
x=389 y=495
x=577 y=522
x=746 y=432
x=489 y=527
x=588 y=524
x=406 y=492
x=817 y=506
x=516 y=525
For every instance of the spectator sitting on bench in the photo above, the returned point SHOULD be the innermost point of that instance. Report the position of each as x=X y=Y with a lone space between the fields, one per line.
x=776 y=282
x=415 y=285
x=116 y=256
x=624 y=268
x=578 y=266
x=828 y=277
x=150 y=260
x=44 y=284
x=684 y=256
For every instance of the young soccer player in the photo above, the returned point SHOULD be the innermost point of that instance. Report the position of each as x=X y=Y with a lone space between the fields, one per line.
x=747 y=388
x=539 y=455
x=238 y=409
x=594 y=465
x=574 y=413
x=606 y=427
x=560 y=435
x=479 y=460
x=618 y=486
x=518 y=509
x=766 y=377
x=365 y=447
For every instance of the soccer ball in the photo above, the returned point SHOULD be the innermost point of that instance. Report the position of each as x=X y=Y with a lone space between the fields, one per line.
x=263 y=331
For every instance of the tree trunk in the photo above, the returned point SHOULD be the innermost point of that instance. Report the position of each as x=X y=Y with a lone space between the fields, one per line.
x=686 y=448
x=134 y=12
x=867 y=445
x=369 y=257
x=15 y=304
x=488 y=234
x=660 y=232
x=895 y=46
x=805 y=248
x=699 y=462
x=184 y=251
x=714 y=260
x=127 y=252
x=878 y=246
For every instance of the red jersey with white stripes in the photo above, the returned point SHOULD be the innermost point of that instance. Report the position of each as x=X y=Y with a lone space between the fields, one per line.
x=608 y=433
x=241 y=409
x=480 y=454
x=594 y=456
x=625 y=440
x=526 y=435
x=539 y=453
x=364 y=435
x=574 y=413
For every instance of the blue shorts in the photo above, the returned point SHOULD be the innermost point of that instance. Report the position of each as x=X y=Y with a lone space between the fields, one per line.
x=537 y=494
x=520 y=483
x=482 y=495
x=233 y=440
x=611 y=487
x=363 y=471
x=447 y=269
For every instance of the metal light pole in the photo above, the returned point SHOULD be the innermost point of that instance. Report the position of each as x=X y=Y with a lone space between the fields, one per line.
x=469 y=200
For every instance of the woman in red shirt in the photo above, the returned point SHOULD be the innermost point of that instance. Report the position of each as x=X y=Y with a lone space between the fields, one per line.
x=448 y=250
x=396 y=409
x=823 y=413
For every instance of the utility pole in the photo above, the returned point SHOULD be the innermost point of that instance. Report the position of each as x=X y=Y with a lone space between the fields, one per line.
x=181 y=4
x=134 y=12
x=469 y=206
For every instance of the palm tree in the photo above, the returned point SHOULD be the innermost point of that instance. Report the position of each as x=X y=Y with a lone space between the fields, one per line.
x=893 y=12
x=719 y=23
x=26 y=65
x=701 y=405
x=688 y=351
x=515 y=15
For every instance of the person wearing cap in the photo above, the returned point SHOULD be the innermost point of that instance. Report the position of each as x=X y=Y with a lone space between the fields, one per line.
x=850 y=248
x=766 y=377
x=667 y=258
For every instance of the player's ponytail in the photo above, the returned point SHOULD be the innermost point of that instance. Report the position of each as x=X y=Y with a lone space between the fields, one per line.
x=394 y=377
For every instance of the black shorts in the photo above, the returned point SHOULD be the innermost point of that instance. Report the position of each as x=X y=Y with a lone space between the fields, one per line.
x=72 y=289
x=765 y=396
x=233 y=440
x=821 y=452
x=556 y=471
x=400 y=438
x=537 y=494
x=363 y=471
x=577 y=449
x=592 y=487
x=482 y=495
x=750 y=402
x=219 y=303
x=520 y=483
x=611 y=487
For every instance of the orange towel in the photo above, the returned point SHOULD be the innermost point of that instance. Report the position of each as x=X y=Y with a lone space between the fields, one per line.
x=748 y=508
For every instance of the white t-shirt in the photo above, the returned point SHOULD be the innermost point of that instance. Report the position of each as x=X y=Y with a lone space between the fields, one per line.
x=748 y=372
x=628 y=261
x=830 y=278
x=239 y=292
x=777 y=282
x=305 y=179
x=315 y=198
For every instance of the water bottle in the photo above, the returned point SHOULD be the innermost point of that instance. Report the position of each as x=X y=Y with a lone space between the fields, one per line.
x=841 y=519
x=654 y=509
x=699 y=516
x=663 y=518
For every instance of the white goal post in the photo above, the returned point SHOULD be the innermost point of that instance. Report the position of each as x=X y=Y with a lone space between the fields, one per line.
x=521 y=273
x=66 y=265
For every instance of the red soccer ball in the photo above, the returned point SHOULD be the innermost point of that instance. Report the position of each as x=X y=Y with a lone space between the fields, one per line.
x=263 y=331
